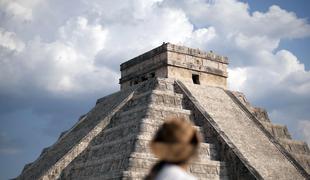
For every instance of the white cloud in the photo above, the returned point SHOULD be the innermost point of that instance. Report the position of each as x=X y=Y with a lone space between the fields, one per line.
x=237 y=78
x=19 y=10
x=77 y=50
x=233 y=17
x=10 y=41
x=281 y=70
x=255 y=42
x=287 y=63
x=85 y=38
x=16 y=10
x=265 y=22
x=65 y=66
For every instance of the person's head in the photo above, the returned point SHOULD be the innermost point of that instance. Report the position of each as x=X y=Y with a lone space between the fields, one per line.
x=176 y=141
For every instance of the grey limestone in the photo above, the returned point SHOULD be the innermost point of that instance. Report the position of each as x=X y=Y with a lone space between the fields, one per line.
x=298 y=149
x=252 y=143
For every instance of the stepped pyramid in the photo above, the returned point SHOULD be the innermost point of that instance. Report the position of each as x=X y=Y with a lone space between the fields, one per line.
x=111 y=141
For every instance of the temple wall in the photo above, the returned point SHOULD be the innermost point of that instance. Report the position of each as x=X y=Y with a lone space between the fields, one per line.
x=204 y=78
x=145 y=64
x=143 y=70
x=197 y=63
x=179 y=62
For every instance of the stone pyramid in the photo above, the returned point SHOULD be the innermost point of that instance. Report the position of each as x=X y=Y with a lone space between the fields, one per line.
x=111 y=141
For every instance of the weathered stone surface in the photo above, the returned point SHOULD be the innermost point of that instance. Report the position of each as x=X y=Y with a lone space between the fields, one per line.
x=172 y=61
x=297 y=149
x=253 y=144
x=70 y=145
x=277 y=130
x=130 y=130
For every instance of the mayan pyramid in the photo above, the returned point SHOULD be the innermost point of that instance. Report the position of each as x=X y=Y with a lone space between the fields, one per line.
x=111 y=140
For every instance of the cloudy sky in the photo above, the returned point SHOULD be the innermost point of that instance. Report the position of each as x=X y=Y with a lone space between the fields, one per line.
x=57 y=57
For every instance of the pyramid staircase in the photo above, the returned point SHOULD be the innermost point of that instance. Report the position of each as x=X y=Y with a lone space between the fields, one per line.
x=119 y=149
x=247 y=138
x=298 y=149
x=111 y=141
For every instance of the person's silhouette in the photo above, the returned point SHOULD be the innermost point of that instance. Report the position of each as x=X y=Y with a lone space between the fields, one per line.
x=175 y=143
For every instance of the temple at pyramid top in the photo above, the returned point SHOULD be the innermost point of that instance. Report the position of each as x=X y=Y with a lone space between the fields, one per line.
x=178 y=62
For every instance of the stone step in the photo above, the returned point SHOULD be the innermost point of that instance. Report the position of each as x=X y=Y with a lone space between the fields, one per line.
x=241 y=132
x=147 y=112
x=113 y=162
x=204 y=176
x=111 y=150
x=143 y=126
x=138 y=125
x=302 y=156
x=146 y=160
x=73 y=143
x=151 y=126
x=162 y=112
x=201 y=159
x=163 y=84
x=209 y=167
x=110 y=166
x=116 y=175
x=121 y=139
x=304 y=161
x=295 y=146
x=142 y=162
x=92 y=175
x=114 y=141
x=169 y=99
x=277 y=130
x=137 y=96
x=125 y=116
x=117 y=133
x=206 y=151
x=84 y=174
x=150 y=108
x=260 y=113
x=135 y=126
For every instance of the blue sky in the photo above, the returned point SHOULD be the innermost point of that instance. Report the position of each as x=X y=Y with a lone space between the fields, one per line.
x=58 y=57
x=300 y=47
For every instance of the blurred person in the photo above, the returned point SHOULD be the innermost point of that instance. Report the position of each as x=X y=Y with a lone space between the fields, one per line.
x=175 y=143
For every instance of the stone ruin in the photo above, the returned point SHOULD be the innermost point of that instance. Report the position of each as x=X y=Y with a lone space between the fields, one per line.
x=111 y=140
